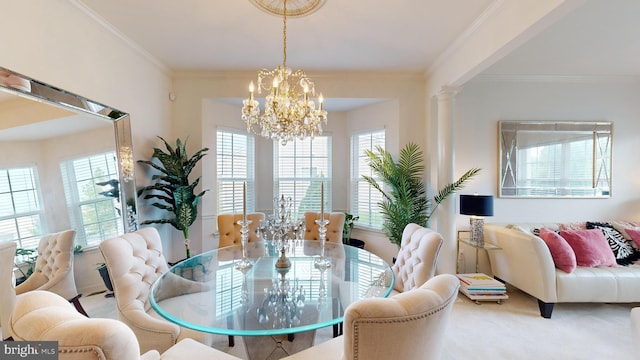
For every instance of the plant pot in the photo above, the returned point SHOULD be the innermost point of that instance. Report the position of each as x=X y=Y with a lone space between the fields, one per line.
x=105 y=277
x=356 y=243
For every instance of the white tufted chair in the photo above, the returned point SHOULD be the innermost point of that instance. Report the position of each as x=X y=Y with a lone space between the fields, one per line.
x=230 y=230
x=45 y=316
x=134 y=261
x=53 y=270
x=417 y=258
x=8 y=292
x=334 y=229
x=407 y=326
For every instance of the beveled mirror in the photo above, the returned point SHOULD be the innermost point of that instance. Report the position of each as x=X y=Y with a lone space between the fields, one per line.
x=65 y=162
x=555 y=159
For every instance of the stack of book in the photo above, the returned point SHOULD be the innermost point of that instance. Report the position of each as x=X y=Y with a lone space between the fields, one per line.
x=480 y=287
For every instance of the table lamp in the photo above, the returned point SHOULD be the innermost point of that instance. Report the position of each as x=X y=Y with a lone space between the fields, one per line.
x=478 y=206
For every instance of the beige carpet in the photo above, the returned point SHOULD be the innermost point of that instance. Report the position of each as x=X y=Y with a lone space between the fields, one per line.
x=511 y=330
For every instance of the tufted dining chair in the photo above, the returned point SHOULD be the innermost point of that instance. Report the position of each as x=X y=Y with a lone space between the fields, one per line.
x=45 y=316
x=408 y=326
x=8 y=292
x=134 y=261
x=230 y=230
x=417 y=259
x=53 y=270
x=334 y=228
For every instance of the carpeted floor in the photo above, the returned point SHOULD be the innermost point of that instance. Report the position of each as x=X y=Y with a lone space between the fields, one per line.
x=511 y=330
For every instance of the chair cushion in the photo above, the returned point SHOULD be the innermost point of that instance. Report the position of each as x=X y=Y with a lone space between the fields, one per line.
x=334 y=228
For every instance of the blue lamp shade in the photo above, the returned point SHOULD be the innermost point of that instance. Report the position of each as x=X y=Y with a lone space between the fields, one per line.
x=477 y=205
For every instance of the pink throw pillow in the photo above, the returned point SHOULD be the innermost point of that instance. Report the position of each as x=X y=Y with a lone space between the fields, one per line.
x=563 y=256
x=635 y=235
x=590 y=246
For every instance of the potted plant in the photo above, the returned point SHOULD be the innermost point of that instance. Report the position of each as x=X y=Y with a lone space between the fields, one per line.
x=29 y=257
x=406 y=200
x=349 y=220
x=173 y=190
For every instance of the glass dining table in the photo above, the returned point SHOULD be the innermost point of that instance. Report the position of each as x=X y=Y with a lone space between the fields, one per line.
x=208 y=293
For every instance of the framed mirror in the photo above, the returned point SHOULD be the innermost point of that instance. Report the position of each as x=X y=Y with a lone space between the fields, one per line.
x=65 y=162
x=555 y=159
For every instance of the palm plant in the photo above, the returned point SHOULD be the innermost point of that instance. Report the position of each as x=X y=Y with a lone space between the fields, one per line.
x=173 y=191
x=406 y=200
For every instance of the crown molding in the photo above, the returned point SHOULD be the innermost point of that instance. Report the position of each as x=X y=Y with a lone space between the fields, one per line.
x=566 y=79
x=118 y=34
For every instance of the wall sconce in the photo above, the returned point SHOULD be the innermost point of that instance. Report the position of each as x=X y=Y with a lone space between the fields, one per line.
x=478 y=206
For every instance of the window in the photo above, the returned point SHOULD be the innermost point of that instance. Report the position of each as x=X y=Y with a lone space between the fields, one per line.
x=94 y=210
x=365 y=198
x=21 y=215
x=300 y=167
x=235 y=165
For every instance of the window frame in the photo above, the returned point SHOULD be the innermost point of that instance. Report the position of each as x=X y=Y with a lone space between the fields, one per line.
x=236 y=182
x=356 y=180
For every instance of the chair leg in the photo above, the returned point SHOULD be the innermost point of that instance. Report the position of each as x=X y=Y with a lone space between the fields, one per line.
x=232 y=341
x=76 y=302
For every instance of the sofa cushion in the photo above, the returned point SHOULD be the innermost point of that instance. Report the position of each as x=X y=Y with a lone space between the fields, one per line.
x=623 y=249
x=590 y=246
x=563 y=256
x=634 y=234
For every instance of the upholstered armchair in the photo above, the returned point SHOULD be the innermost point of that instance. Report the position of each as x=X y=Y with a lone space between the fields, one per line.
x=408 y=326
x=45 y=316
x=134 y=261
x=8 y=292
x=230 y=230
x=334 y=228
x=53 y=270
x=417 y=259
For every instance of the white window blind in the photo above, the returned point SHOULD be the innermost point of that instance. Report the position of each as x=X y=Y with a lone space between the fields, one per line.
x=235 y=154
x=21 y=214
x=95 y=211
x=365 y=198
x=300 y=167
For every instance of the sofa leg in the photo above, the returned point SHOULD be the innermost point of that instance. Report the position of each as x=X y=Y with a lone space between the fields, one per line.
x=545 y=309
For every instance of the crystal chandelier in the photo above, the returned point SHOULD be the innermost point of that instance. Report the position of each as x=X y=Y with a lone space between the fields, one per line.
x=289 y=112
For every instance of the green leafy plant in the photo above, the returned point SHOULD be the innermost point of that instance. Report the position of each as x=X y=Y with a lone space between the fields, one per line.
x=406 y=200
x=349 y=219
x=172 y=191
x=29 y=257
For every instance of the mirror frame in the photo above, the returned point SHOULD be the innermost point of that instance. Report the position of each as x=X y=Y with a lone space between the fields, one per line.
x=508 y=145
x=29 y=88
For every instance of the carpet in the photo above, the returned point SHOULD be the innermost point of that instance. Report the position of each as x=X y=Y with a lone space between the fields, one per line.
x=513 y=329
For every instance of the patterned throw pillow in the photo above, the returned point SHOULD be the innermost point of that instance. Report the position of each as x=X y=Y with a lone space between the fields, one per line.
x=622 y=248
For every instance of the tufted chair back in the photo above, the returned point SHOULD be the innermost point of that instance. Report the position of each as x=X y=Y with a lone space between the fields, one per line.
x=45 y=316
x=230 y=230
x=410 y=325
x=134 y=261
x=334 y=228
x=53 y=270
x=8 y=292
x=418 y=256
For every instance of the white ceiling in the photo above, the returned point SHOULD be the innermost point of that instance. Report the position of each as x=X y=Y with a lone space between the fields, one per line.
x=598 y=38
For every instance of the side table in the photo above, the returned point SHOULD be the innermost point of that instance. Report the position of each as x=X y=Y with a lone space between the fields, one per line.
x=464 y=236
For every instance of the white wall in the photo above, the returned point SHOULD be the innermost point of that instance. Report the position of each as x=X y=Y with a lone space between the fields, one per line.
x=483 y=103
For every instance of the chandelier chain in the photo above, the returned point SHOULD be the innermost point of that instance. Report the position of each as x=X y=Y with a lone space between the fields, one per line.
x=284 y=35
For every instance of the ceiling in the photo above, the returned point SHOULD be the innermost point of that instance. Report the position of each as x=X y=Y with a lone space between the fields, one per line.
x=598 y=38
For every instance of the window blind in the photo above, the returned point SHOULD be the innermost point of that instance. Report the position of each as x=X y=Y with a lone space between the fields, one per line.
x=235 y=154
x=365 y=198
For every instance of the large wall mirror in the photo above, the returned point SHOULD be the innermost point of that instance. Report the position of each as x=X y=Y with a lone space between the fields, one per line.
x=65 y=162
x=548 y=159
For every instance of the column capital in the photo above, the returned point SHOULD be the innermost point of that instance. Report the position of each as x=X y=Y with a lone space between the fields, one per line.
x=448 y=91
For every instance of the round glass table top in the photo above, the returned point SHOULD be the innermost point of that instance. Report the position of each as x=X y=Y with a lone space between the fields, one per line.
x=209 y=294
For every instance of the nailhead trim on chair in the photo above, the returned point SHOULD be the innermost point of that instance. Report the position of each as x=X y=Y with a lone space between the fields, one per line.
x=390 y=321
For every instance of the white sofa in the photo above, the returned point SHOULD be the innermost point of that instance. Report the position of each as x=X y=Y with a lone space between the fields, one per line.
x=524 y=261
